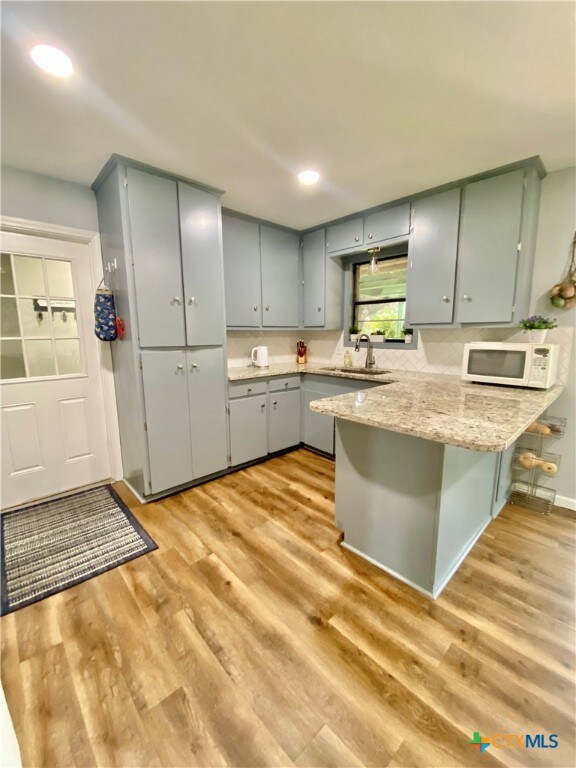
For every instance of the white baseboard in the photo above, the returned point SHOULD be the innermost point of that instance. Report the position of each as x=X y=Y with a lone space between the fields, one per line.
x=566 y=502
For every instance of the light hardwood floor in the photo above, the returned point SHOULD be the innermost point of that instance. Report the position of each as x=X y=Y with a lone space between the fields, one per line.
x=250 y=638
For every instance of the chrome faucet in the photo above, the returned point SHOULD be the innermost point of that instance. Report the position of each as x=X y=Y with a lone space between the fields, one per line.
x=370 y=362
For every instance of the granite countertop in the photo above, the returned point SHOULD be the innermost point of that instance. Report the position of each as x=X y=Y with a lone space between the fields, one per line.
x=287 y=369
x=444 y=409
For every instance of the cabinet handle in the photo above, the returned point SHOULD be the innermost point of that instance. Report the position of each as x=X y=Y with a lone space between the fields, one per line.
x=370 y=237
x=180 y=367
x=466 y=297
x=356 y=239
x=177 y=300
x=267 y=308
x=255 y=307
x=192 y=300
x=446 y=299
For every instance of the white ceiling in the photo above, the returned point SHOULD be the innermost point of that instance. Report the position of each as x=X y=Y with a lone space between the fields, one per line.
x=383 y=98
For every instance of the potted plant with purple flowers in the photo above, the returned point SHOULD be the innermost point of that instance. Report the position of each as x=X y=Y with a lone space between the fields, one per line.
x=537 y=327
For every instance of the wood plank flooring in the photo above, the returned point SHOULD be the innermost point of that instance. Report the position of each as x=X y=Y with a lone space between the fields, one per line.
x=250 y=638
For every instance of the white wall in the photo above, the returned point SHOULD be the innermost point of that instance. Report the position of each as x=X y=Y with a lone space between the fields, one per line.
x=32 y=196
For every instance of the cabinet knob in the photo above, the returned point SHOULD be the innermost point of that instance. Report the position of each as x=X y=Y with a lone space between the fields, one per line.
x=192 y=300
x=255 y=307
x=249 y=389
x=176 y=299
x=466 y=297
x=370 y=237
x=275 y=403
x=267 y=309
x=194 y=365
x=356 y=239
x=319 y=309
x=263 y=406
x=180 y=367
x=446 y=299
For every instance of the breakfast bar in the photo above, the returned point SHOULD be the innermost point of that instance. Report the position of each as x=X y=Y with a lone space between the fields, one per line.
x=422 y=467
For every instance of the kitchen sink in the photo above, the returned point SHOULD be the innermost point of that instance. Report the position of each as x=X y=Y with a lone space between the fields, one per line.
x=361 y=371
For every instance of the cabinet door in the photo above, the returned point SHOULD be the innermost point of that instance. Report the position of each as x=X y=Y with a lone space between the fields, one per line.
x=155 y=236
x=314 y=268
x=207 y=399
x=284 y=420
x=432 y=254
x=318 y=429
x=384 y=225
x=241 y=246
x=280 y=252
x=488 y=249
x=248 y=438
x=201 y=266
x=167 y=418
x=347 y=234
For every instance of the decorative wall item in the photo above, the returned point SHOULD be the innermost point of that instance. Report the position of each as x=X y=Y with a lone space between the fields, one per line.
x=563 y=295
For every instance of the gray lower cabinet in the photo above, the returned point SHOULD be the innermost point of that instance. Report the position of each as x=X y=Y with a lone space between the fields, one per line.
x=284 y=420
x=280 y=259
x=488 y=249
x=241 y=246
x=432 y=255
x=185 y=415
x=317 y=428
x=207 y=400
x=248 y=433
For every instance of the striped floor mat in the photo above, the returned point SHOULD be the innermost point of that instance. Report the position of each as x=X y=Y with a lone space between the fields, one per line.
x=51 y=546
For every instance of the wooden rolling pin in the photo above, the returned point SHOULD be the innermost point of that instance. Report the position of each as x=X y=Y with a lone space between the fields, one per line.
x=539 y=429
x=529 y=460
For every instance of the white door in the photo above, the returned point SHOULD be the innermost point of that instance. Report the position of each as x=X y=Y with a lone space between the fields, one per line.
x=54 y=434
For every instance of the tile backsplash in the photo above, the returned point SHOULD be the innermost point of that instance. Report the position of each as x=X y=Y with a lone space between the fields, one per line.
x=439 y=350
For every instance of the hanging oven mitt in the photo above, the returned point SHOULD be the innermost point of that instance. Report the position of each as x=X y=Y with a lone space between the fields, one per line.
x=105 y=326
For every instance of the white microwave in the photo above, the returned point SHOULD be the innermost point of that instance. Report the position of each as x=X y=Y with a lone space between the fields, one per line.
x=515 y=365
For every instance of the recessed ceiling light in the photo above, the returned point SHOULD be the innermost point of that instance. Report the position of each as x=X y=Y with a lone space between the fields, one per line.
x=52 y=60
x=308 y=177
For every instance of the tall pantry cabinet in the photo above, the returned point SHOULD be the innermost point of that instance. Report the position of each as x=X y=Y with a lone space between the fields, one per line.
x=162 y=249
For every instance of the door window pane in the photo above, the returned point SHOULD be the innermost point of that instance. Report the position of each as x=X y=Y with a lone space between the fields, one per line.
x=9 y=318
x=40 y=356
x=34 y=315
x=6 y=278
x=59 y=278
x=11 y=359
x=29 y=276
x=63 y=318
x=68 y=356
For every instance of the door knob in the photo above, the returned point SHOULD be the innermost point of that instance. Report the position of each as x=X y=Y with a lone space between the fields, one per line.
x=446 y=299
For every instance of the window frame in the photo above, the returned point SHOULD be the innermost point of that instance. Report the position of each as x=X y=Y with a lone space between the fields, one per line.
x=350 y=262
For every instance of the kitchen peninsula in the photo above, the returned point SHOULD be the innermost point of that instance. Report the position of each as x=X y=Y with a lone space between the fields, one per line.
x=422 y=467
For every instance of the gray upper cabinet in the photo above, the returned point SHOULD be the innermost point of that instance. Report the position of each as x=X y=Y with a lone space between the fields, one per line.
x=155 y=248
x=432 y=254
x=167 y=418
x=345 y=235
x=207 y=401
x=280 y=255
x=387 y=224
x=488 y=249
x=201 y=266
x=241 y=245
x=314 y=271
